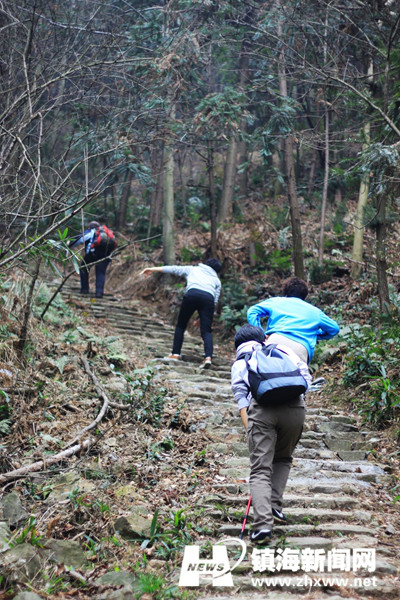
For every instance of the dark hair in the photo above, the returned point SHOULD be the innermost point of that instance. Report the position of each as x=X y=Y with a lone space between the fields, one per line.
x=214 y=264
x=249 y=333
x=93 y=224
x=295 y=288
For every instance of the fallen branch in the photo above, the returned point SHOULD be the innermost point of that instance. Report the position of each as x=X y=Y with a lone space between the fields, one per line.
x=120 y=406
x=101 y=394
x=40 y=464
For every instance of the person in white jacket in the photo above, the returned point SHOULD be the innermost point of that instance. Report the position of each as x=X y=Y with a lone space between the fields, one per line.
x=202 y=292
x=273 y=432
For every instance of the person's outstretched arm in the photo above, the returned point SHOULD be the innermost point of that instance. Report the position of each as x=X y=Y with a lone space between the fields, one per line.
x=258 y=312
x=328 y=328
x=177 y=270
x=148 y=270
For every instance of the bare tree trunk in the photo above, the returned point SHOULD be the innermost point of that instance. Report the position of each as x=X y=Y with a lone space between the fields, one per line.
x=324 y=191
x=168 y=234
x=228 y=187
x=159 y=199
x=298 y=260
x=358 y=240
x=230 y=170
x=242 y=145
x=311 y=177
x=156 y=200
x=326 y=166
x=277 y=164
x=242 y=152
x=381 y=263
x=23 y=335
x=211 y=191
x=181 y=162
x=123 y=203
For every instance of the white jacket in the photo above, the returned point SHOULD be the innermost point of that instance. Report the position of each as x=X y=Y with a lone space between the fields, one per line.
x=200 y=277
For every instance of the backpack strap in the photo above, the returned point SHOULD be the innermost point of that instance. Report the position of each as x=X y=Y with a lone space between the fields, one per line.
x=268 y=348
x=245 y=355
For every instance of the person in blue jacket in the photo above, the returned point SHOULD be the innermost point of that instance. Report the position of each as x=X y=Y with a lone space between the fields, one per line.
x=292 y=320
x=94 y=253
x=274 y=431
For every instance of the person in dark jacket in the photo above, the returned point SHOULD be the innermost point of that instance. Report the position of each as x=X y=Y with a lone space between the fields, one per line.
x=202 y=291
x=99 y=243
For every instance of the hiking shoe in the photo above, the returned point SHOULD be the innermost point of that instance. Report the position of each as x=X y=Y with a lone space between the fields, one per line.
x=279 y=516
x=206 y=364
x=173 y=357
x=99 y=295
x=261 y=536
x=84 y=292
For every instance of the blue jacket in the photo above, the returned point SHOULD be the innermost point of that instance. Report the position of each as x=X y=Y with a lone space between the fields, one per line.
x=86 y=238
x=294 y=318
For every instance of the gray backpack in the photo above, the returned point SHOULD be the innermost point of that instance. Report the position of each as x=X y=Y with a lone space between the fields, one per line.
x=273 y=377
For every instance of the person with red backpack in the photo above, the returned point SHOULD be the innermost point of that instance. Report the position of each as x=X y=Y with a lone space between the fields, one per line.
x=99 y=243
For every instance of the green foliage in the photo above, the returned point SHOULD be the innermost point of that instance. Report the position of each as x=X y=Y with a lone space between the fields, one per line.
x=153 y=585
x=197 y=212
x=232 y=319
x=220 y=113
x=60 y=363
x=58 y=311
x=382 y=160
x=170 y=536
x=321 y=273
x=5 y=426
x=28 y=535
x=259 y=252
x=236 y=302
x=157 y=448
x=371 y=363
x=280 y=261
x=278 y=216
x=148 y=583
x=147 y=402
x=55 y=583
x=190 y=254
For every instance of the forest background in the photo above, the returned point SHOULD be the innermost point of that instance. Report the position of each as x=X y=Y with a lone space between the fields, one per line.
x=264 y=133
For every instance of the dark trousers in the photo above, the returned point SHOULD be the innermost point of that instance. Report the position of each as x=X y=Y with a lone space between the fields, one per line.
x=100 y=268
x=203 y=302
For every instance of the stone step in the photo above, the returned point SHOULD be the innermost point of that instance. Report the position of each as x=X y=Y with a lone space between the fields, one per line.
x=297 y=516
x=241 y=486
x=329 y=476
x=292 y=501
x=326 y=529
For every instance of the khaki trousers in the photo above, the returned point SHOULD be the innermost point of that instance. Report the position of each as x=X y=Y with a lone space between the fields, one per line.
x=273 y=433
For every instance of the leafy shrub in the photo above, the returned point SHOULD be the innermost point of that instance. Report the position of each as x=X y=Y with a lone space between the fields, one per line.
x=189 y=254
x=236 y=302
x=278 y=216
x=147 y=400
x=325 y=272
x=371 y=364
x=233 y=319
x=280 y=261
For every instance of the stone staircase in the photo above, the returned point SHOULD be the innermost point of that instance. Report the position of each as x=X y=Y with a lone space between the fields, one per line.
x=332 y=499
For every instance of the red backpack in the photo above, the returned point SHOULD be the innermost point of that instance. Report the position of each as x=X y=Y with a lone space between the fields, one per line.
x=104 y=239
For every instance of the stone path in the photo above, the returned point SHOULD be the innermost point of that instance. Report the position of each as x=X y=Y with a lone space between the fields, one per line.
x=331 y=499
